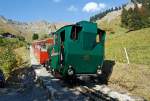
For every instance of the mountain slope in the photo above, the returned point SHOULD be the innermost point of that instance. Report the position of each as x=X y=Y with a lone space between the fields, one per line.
x=28 y=29
x=5 y=27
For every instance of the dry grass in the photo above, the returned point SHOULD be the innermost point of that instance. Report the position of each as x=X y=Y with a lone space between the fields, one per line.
x=23 y=57
x=133 y=78
x=4 y=27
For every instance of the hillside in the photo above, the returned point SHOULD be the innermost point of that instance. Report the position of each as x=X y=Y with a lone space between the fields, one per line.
x=136 y=42
x=5 y=27
x=27 y=29
x=135 y=76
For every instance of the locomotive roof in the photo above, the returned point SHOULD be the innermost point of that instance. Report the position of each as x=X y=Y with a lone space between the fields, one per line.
x=89 y=27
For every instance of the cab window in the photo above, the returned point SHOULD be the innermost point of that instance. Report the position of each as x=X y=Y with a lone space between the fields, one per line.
x=99 y=35
x=74 y=32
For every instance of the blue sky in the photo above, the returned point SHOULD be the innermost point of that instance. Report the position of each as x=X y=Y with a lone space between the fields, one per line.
x=54 y=10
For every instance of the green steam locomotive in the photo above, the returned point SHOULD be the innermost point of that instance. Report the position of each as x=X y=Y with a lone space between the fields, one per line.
x=78 y=49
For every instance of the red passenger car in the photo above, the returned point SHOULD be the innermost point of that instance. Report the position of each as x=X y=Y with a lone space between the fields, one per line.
x=40 y=49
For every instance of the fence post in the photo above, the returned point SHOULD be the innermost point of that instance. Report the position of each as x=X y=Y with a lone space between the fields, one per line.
x=128 y=62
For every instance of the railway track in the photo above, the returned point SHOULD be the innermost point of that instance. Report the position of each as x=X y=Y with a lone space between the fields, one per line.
x=86 y=87
x=91 y=91
x=101 y=92
x=94 y=95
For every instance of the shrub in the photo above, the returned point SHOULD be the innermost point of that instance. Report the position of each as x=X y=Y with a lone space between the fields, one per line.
x=7 y=60
x=35 y=37
x=11 y=43
x=21 y=38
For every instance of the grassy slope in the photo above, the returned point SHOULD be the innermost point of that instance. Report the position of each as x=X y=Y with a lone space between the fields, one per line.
x=134 y=78
x=136 y=42
x=4 y=27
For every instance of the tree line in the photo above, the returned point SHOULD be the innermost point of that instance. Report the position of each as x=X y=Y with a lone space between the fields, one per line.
x=102 y=14
x=137 y=17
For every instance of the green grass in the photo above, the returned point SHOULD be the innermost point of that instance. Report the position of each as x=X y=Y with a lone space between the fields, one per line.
x=11 y=43
x=136 y=42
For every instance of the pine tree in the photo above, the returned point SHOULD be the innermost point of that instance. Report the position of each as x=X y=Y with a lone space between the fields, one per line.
x=119 y=8
x=134 y=19
x=116 y=8
x=124 y=19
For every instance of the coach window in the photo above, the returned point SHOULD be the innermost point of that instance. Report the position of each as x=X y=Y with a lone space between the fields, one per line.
x=99 y=36
x=74 y=32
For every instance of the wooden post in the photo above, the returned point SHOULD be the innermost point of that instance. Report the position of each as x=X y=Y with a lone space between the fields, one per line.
x=128 y=62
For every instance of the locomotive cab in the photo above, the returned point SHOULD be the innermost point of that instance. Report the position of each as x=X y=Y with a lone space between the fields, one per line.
x=78 y=49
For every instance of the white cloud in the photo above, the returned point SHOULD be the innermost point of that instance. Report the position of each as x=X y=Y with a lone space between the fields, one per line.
x=56 y=1
x=72 y=8
x=93 y=7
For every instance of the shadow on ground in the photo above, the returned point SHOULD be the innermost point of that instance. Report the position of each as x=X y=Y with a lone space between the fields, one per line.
x=19 y=75
x=107 y=71
x=21 y=87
